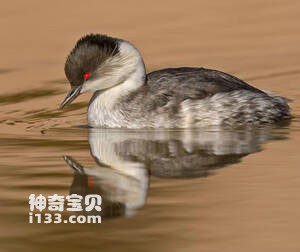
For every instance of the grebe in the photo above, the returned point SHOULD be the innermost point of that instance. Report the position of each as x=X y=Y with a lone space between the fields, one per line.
x=125 y=96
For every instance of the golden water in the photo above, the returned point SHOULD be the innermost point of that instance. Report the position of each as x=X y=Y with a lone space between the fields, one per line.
x=251 y=204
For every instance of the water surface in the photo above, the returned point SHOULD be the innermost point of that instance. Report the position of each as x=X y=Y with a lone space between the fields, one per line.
x=163 y=190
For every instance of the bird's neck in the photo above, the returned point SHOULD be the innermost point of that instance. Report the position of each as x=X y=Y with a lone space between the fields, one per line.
x=102 y=108
x=136 y=79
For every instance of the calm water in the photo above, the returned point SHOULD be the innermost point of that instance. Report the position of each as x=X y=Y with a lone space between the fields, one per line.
x=162 y=190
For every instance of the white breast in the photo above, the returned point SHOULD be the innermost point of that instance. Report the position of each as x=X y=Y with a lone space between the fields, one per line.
x=103 y=111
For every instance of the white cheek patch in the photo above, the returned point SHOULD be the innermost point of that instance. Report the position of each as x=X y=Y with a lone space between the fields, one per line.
x=127 y=64
x=94 y=85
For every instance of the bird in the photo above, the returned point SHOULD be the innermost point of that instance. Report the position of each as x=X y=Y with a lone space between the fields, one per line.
x=125 y=96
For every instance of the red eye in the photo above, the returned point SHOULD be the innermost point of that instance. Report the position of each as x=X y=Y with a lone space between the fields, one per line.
x=86 y=76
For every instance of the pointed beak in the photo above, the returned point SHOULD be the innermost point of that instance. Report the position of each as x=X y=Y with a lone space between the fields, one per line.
x=77 y=168
x=71 y=96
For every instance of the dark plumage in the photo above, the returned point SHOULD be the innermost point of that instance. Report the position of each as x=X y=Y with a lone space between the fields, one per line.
x=166 y=90
x=88 y=54
x=194 y=83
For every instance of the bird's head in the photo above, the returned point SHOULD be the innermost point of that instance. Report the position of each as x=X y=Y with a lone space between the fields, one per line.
x=99 y=62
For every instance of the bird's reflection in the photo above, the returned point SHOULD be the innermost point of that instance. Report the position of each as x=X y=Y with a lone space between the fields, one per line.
x=126 y=159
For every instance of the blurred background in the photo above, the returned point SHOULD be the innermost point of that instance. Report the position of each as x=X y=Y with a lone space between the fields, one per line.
x=253 y=205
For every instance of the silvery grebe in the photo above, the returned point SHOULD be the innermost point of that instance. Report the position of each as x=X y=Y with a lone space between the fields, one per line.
x=125 y=96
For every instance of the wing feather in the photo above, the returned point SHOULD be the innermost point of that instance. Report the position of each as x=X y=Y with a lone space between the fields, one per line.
x=193 y=83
